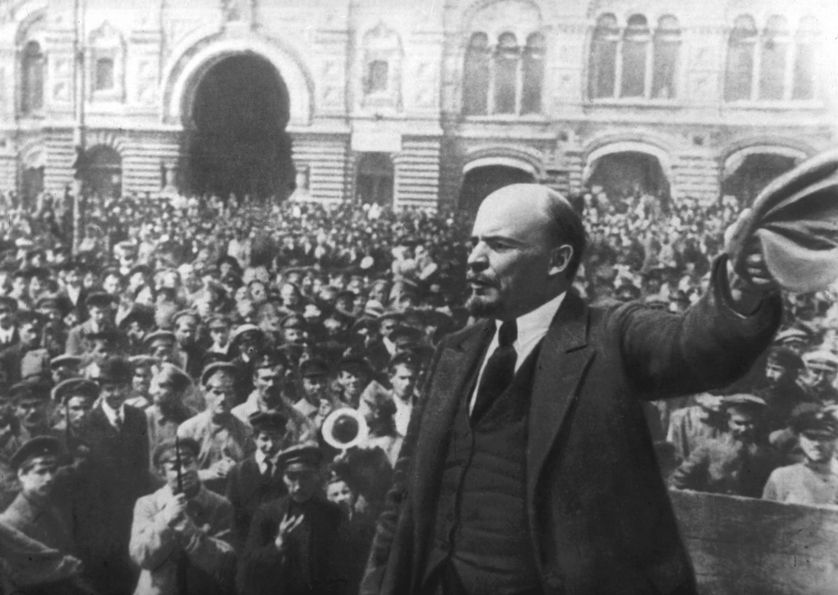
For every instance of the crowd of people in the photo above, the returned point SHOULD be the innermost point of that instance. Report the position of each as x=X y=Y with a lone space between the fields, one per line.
x=169 y=386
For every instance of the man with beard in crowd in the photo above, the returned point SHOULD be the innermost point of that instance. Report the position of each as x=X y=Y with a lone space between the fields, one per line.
x=76 y=397
x=532 y=421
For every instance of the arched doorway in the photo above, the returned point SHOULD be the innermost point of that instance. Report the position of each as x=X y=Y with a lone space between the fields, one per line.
x=103 y=172
x=746 y=177
x=629 y=173
x=480 y=182
x=374 y=184
x=239 y=144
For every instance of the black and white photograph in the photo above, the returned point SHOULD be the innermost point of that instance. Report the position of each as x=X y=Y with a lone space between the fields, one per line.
x=436 y=297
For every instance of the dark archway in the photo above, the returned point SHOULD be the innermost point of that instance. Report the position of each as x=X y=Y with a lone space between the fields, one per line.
x=629 y=173
x=239 y=145
x=755 y=173
x=482 y=181
x=103 y=172
x=374 y=183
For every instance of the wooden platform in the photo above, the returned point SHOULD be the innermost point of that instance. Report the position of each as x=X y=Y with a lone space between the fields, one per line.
x=745 y=546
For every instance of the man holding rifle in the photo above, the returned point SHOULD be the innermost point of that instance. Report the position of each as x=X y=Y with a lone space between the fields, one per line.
x=181 y=533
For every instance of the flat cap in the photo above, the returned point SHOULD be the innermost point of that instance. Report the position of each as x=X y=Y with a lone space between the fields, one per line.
x=39 y=447
x=167 y=450
x=821 y=357
x=815 y=424
x=314 y=366
x=306 y=453
x=268 y=421
x=215 y=367
x=114 y=370
x=74 y=387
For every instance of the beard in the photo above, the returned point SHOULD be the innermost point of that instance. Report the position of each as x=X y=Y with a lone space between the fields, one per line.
x=481 y=306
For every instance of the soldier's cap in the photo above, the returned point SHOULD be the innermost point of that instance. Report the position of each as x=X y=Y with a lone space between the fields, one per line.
x=314 y=367
x=785 y=357
x=227 y=259
x=166 y=451
x=269 y=358
x=218 y=321
x=31 y=388
x=821 y=358
x=40 y=447
x=114 y=370
x=126 y=246
x=743 y=401
x=792 y=335
x=142 y=361
x=143 y=269
x=405 y=358
x=293 y=321
x=100 y=299
x=158 y=337
x=215 y=367
x=48 y=301
x=306 y=453
x=8 y=304
x=64 y=360
x=244 y=332
x=354 y=362
x=29 y=317
x=406 y=335
x=74 y=387
x=140 y=313
x=815 y=425
x=186 y=314
x=211 y=357
x=267 y=421
x=656 y=301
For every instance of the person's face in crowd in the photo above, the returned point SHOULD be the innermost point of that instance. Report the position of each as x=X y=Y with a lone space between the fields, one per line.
x=817 y=449
x=63 y=372
x=325 y=407
x=29 y=333
x=203 y=307
x=353 y=380
x=380 y=292
x=302 y=482
x=346 y=303
x=333 y=327
x=19 y=285
x=258 y=292
x=163 y=350
x=112 y=285
x=289 y=295
x=188 y=472
x=219 y=395
x=293 y=335
x=315 y=388
x=37 y=478
x=219 y=334
x=77 y=409
x=136 y=281
x=403 y=381
x=161 y=391
x=99 y=316
x=742 y=424
x=340 y=493
x=90 y=280
x=7 y=430
x=269 y=442
x=6 y=317
x=268 y=382
x=141 y=379
x=31 y=412
x=387 y=326
x=776 y=373
x=36 y=286
x=114 y=393
x=185 y=330
x=821 y=376
x=73 y=278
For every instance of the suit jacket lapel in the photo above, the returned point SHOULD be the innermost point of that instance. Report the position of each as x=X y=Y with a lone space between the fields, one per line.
x=562 y=362
x=454 y=369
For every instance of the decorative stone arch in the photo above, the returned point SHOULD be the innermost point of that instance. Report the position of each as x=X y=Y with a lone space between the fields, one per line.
x=598 y=150
x=519 y=22
x=736 y=153
x=33 y=154
x=184 y=73
x=105 y=138
x=529 y=161
x=33 y=25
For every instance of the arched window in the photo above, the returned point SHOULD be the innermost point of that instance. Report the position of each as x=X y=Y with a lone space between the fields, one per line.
x=666 y=45
x=476 y=75
x=533 y=74
x=603 y=59
x=374 y=183
x=740 y=59
x=635 y=53
x=104 y=74
x=775 y=48
x=506 y=73
x=32 y=78
x=377 y=72
x=804 y=61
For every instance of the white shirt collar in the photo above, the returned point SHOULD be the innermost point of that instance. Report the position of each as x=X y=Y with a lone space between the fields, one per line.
x=535 y=323
x=111 y=413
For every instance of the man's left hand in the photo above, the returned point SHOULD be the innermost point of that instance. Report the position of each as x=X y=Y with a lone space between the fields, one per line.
x=755 y=283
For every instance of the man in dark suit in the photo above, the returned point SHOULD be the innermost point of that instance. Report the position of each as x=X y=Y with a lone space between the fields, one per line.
x=528 y=467
x=101 y=309
x=117 y=437
x=294 y=544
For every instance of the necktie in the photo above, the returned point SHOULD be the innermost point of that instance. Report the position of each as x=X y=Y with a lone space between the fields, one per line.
x=499 y=370
x=117 y=421
x=269 y=469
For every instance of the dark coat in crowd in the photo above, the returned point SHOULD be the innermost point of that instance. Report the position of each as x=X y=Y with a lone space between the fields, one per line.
x=248 y=489
x=599 y=513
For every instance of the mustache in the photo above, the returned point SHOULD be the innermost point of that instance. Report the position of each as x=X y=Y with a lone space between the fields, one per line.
x=479 y=279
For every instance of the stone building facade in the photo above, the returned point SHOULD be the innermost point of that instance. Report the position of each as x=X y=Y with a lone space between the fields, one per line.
x=424 y=103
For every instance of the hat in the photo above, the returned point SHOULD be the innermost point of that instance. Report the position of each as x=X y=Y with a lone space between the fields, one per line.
x=114 y=370
x=373 y=308
x=29 y=317
x=268 y=421
x=296 y=321
x=792 y=335
x=140 y=313
x=99 y=299
x=350 y=362
x=29 y=389
x=215 y=367
x=36 y=448
x=65 y=360
x=821 y=358
x=218 y=321
x=744 y=401
x=167 y=450
x=185 y=314
x=269 y=358
x=306 y=453
x=156 y=337
x=246 y=331
x=406 y=336
x=314 y=367
x=815 y=424
x=74 y=387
